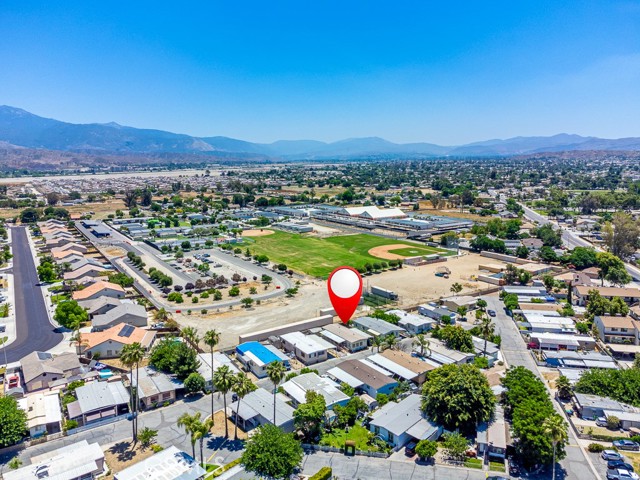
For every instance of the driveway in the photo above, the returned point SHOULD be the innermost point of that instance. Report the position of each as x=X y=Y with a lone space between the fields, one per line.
x=34 y=331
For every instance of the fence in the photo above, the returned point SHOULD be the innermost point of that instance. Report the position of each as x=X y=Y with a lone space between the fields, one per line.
x=100 y=423
x=322 y=448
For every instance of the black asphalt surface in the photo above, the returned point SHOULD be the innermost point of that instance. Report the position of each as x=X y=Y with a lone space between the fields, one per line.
x=34 y=331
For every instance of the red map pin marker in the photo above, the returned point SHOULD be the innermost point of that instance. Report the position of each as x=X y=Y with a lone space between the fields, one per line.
x=345 y=290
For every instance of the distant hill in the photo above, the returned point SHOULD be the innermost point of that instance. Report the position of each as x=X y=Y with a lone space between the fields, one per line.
x=20 y=128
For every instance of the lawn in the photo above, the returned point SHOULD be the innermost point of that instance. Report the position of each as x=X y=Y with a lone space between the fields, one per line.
x=357 y=433
x=319 y=256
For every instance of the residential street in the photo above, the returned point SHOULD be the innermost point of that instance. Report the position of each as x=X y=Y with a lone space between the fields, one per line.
x=576 y=465
x=34 y=331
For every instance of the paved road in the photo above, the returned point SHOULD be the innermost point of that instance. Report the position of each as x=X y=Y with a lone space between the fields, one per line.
x=34 y=331
x=576 y=464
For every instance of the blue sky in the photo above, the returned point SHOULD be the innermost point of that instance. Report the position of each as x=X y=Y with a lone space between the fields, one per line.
x=443 y=72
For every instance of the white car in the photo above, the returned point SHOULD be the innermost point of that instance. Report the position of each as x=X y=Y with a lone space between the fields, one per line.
x=620 y=474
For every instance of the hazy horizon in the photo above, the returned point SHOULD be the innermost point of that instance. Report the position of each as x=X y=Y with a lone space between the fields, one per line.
x=445 y=74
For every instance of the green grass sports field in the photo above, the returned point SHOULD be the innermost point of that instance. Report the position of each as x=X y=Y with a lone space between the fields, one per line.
x=319 y=256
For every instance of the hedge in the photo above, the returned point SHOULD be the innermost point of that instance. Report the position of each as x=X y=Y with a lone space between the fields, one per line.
x=220 y=470
x=323 y=474
x=595 y=447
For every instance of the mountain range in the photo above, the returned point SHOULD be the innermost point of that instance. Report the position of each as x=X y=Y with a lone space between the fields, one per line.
x=21 y=129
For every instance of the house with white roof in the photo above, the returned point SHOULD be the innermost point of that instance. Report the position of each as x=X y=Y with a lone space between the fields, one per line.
x=412 y=323
x=78 y=461
x=44 y=415
x=168 y=464
x=552 y=322
x=207 y=370
x=309 y=349
x=562 y=341
x=439 y=353
x=399 y=423
x=298 y=386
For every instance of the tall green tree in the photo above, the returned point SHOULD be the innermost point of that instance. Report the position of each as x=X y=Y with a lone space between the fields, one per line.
x=223 y=380
x=309 y=416
x=457 y=397
x=13 y=422
x=556 y=429
x=131 y=355
x=271 y=453
x=69 y=314
x=201 y=431
x=191 y=424
x=276 y=372
x=211 y=339
x=242 y=386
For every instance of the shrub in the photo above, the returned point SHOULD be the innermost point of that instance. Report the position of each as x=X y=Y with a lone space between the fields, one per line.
x=595 y=447
x=156 y=448
x=613 y=422
x=323 y=474
x=70 y=425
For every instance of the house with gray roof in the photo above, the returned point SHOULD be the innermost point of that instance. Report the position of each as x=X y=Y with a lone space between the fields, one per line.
x=399 y=423
x=298 y=386
x=40 y=369
x=99 y=306
x=377 y=327
x=351 y=339
x=256 y=409
x=127 y=312
x=154 y=387
x=97 y=401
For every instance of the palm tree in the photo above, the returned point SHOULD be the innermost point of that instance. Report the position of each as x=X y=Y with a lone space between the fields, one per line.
x=275 y=371
x=486 y=330
x=190 y=423
x=78 y=339
x=376 y=342
x=136 y=354
x=201 y=431
x=556 y=428
x=563 y=386
x=241 y=387
x=390 y=342
x=211 y=339
x=456 y=288
x=127 y=360
x=161 y=315
x=422 y=342
x=223 y=380
x=190 y=334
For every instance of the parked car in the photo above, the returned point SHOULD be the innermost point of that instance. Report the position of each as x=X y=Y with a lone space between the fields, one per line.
x=531 y=345
x=3 y=328
x=492 y=313
x=497 y=477
x=410 y=449
x=611 y=455
x=619 y=464
x=626 y=445
x=601 y=421
x=621 y=474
